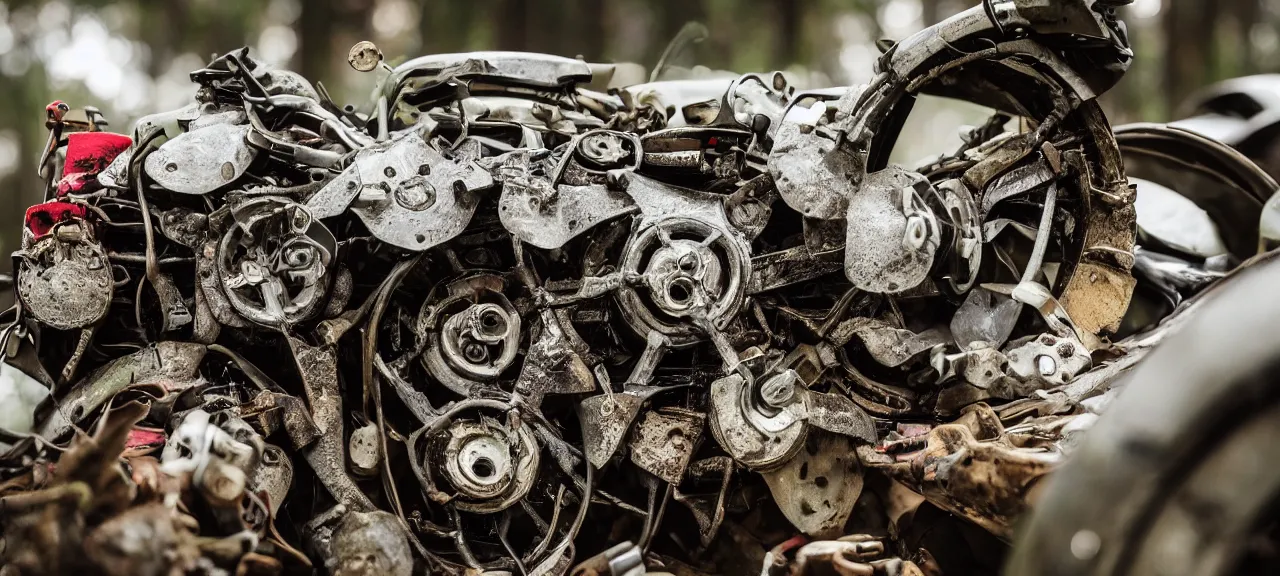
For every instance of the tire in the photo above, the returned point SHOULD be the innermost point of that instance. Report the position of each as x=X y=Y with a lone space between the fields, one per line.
x=1183 y=469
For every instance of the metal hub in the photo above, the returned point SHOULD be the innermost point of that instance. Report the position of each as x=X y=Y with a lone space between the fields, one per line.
x=693 y=272
x=489 y=465
x=64 y=280
x=684 y=275
x=275 y=262
x=473 y=333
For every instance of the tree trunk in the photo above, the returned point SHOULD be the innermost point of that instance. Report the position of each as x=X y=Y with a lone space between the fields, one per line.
x=671 y=16
x=787 y=32
x=593 y=29
x=27 y=95
x=314 y=57
x=930 y=11
x=550 y=28
x=512 y=33
x=1247 y=14
x=445 y=27
x=1189 y=34
x=162 y=27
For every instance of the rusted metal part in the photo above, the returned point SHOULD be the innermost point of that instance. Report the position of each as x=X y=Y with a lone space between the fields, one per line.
x=64 y=276
x=553 y=364
x=364 y=452
x=547 y=204
x=489 y=466
x=793 y=266
x=471 y=333
x=754 y=435
x=173 y=311
x=368 y=543
x=689 y=267
x=892 y=235
x=408 y=193
x=275 y=262
x=853 y=555
x=564 y=286
x=985 y=316
x=1098 y=293
x=210 y=290
x=201 y=161
x=355 y=543
x=809 y=176
x=607 y=418
x=274 y=476
x=664 y=441
x=889 y=345
x=172 y=365
x=318 y=368
x=218 y=459
x=623 y=559
x=969 y=468
x=708 y=509
x=816 y=490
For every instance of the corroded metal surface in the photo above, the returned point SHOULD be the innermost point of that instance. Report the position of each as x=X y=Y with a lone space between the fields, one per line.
x=495 y=322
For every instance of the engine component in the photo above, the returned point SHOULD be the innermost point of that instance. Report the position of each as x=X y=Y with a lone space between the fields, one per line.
x=694 y=275
x=490 y=466
x=64 y=275
x=472 y=334
x=275 y=262
x=524 y=316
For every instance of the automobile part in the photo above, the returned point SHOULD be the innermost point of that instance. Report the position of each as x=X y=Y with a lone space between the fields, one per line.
x=500 y=322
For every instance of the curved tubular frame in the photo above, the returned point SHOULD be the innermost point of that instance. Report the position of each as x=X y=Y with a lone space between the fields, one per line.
x=1095 y=291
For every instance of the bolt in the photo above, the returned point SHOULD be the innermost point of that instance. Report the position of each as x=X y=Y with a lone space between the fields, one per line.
x=415 y=194
x=1085 y=544
x=688 y=262
x=916 y=233
x=1047 y=365
x=780 y=390
x=475 y=352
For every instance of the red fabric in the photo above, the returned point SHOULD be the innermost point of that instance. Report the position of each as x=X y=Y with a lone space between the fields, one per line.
x=89 y=153
x=144 y=437
x=42 y=217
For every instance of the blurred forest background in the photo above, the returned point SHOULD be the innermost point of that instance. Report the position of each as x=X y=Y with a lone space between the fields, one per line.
x=132 y=57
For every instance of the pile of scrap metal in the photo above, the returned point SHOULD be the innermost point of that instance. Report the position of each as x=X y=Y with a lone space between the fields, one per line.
x=508 y=320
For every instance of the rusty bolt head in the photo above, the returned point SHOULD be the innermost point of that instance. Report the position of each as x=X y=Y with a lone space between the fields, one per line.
x=1047 y=365
x=780 y=390
x=364 y=56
